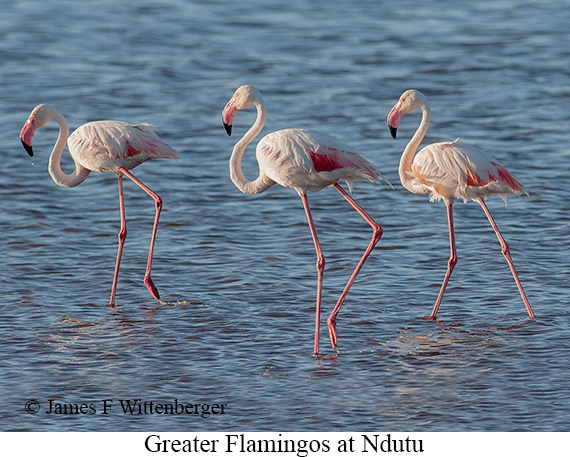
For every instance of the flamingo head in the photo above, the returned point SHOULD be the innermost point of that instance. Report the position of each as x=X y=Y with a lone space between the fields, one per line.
x=394 y=117
x=40 y=115
x=243 y=98
x=409 y=100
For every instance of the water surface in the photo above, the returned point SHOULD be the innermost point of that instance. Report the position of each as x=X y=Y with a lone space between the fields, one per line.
x=238 y=270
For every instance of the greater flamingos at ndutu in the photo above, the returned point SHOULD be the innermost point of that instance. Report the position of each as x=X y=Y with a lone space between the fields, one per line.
x=110 y=146
x=305 y=161
x=448 y=171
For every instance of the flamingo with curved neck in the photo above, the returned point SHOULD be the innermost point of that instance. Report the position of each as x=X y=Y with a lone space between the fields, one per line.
x=448 y=171
x=305 y=161
x=103 y=146
x=262 y=182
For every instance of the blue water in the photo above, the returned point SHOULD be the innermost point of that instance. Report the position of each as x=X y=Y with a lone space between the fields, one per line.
x=238 y=271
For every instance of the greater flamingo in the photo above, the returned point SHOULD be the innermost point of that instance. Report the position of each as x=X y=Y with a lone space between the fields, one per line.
x=451 y=170
x=110 y=146
x=304 y=161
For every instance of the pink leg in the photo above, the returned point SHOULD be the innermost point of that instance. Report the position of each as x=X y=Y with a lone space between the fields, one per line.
x=122 y=237
x=450 y=263
x=320 y=270
x=158 y=202
x=507 y=254
x=375 y=238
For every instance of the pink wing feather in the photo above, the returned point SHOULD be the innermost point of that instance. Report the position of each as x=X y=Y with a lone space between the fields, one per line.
x=307 y=160
x=454 y=170
x=107 y=145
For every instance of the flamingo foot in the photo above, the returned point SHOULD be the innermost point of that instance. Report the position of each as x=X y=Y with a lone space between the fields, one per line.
x=331 y=321
x=151 y=287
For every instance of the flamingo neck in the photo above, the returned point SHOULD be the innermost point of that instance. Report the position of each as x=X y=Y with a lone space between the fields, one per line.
x=405 y=169
x=262 y=182
x=58 y=175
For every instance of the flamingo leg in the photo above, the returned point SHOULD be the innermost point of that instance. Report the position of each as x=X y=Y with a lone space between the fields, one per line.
x=506 y=252
x=377 y=233
x=158 y=203
x=450 y=263
x=122 y=237
x=320 y=270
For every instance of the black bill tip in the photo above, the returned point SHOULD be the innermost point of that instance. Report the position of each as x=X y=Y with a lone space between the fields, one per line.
x=393 y=131
x=28 y=149
x=228 y=128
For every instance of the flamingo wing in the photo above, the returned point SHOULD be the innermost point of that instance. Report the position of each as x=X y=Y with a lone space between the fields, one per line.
x=108 y=145
x=310 y=161
x=455 y=170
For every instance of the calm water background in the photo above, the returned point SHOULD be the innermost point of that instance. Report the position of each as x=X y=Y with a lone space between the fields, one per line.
x=238 y=270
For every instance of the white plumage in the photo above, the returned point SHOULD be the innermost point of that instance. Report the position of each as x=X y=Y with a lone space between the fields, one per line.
x=105 y=146
x=459 y=171
x=309 y=161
